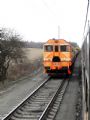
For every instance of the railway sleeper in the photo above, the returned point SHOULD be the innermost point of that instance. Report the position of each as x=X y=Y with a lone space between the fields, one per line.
x=26 y=116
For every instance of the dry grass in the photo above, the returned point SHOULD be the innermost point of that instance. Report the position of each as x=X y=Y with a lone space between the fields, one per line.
x=33 y=53
x=33 y=62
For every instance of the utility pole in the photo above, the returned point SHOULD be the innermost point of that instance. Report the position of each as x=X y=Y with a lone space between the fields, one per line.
x=58 y=32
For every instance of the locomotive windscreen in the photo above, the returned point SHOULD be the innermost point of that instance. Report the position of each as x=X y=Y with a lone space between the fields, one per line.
x=48 y=48
x=65 y=48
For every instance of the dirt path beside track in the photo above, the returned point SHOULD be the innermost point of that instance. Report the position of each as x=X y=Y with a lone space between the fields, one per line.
x=13 y=95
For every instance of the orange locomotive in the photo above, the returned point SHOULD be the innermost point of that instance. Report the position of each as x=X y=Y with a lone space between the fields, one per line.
x=58 y=56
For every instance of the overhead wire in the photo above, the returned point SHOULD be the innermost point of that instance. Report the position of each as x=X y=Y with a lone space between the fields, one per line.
x=51 y=12
x=47 y=6
x=86 y=16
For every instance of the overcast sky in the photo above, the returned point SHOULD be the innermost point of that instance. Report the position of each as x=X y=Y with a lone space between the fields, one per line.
x=38 y=20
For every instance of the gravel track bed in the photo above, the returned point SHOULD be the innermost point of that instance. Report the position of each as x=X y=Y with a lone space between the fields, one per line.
x=79 y=103
x=36 y=104
x=67 y=108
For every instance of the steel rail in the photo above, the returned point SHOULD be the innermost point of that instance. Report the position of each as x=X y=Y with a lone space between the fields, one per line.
x=52 y=101
x=24 y=100
x=36 y=98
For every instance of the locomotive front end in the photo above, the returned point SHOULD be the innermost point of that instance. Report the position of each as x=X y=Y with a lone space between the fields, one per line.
x=57 y=57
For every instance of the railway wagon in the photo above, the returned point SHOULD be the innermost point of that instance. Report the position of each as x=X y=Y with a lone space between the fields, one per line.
x=58 y=56
x=85 y=53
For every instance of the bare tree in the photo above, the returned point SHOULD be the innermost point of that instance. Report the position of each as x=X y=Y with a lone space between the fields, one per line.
x=10 y=49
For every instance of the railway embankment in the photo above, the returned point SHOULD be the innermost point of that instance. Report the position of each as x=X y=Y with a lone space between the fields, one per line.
x=20 y=72
x=22 y=69
x=13 y=91
x=18 y=91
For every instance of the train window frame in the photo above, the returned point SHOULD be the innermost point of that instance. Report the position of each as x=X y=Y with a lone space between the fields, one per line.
x=67 y=50
x=56 y=48
x=46 y=50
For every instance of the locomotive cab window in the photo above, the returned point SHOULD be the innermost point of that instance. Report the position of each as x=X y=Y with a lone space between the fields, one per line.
x=48 y=48
x=65 y=48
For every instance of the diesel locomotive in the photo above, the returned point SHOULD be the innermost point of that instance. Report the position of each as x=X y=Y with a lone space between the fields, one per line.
x=58 y=56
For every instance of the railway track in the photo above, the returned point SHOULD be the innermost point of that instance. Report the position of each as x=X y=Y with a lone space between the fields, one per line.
x=42 y=103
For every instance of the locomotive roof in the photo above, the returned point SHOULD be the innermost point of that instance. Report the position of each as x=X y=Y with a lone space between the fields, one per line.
x=57 y=41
